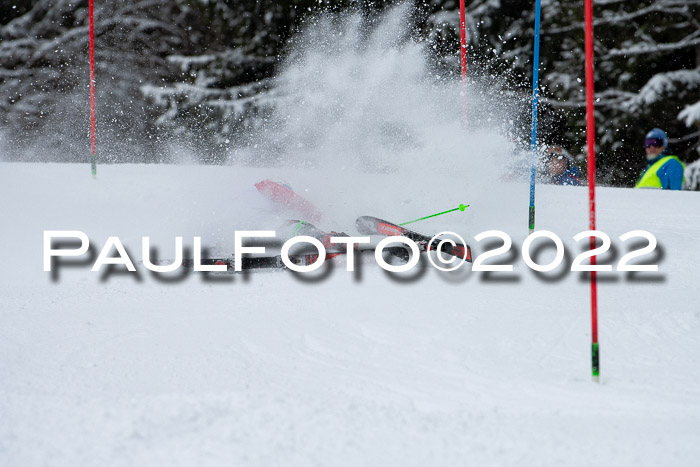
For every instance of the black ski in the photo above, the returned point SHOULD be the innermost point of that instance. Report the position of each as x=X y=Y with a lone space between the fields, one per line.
x=257 y=262
x=275 y=262
x=295 y=228
x=368 y=225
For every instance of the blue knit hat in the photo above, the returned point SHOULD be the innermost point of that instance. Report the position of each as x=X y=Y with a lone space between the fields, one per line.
x=657 y=133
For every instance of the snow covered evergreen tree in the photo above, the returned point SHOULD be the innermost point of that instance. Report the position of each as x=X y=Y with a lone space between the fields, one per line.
x=44 y=63
x=647 y=70
x=216 y=96
x=198 y=71
x=647 y=74
x=224 y=90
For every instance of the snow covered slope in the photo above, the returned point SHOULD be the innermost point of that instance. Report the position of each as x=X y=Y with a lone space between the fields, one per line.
x=423 y=368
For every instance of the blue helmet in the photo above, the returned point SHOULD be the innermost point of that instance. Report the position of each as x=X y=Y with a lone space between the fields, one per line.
x=657 y=134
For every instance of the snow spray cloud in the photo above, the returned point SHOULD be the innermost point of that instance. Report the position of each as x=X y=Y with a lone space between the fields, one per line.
x=359 y=93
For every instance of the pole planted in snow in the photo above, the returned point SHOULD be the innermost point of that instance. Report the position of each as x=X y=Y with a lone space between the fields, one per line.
x=93 y=142
x=461 y=207
x=463 y=59
x=590 y=137
x=535 y=96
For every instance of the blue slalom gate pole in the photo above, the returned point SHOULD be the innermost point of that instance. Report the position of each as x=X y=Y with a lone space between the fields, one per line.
x=535 y=92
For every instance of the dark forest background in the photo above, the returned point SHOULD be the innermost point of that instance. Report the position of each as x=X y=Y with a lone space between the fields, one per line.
x=191 y=72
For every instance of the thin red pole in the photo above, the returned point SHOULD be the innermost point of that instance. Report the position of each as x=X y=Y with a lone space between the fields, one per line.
x=463 y=55
x=590 y=134
x=93 y=141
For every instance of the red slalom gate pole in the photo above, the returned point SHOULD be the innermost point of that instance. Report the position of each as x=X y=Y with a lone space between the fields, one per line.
x=590 y=136
x=463 y=55
x=93 y=141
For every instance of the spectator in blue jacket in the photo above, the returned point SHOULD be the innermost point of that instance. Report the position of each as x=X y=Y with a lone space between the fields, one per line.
x=662 y=171
x=561 y=168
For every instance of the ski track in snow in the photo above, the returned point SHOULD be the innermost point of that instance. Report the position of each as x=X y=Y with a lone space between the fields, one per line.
x=276 y=369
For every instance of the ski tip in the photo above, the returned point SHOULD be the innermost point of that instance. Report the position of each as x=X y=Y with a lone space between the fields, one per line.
x=462 y=207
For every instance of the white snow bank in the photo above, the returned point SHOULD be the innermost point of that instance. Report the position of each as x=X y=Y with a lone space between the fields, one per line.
x=273 y=369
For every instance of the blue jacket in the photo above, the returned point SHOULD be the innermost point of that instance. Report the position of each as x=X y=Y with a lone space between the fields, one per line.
x=670 y=174
x=568 y=177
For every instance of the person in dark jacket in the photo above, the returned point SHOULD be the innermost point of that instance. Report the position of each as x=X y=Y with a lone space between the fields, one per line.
x=561 y=168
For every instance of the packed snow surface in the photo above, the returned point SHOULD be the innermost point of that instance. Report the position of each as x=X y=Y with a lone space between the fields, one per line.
x=340 y=368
